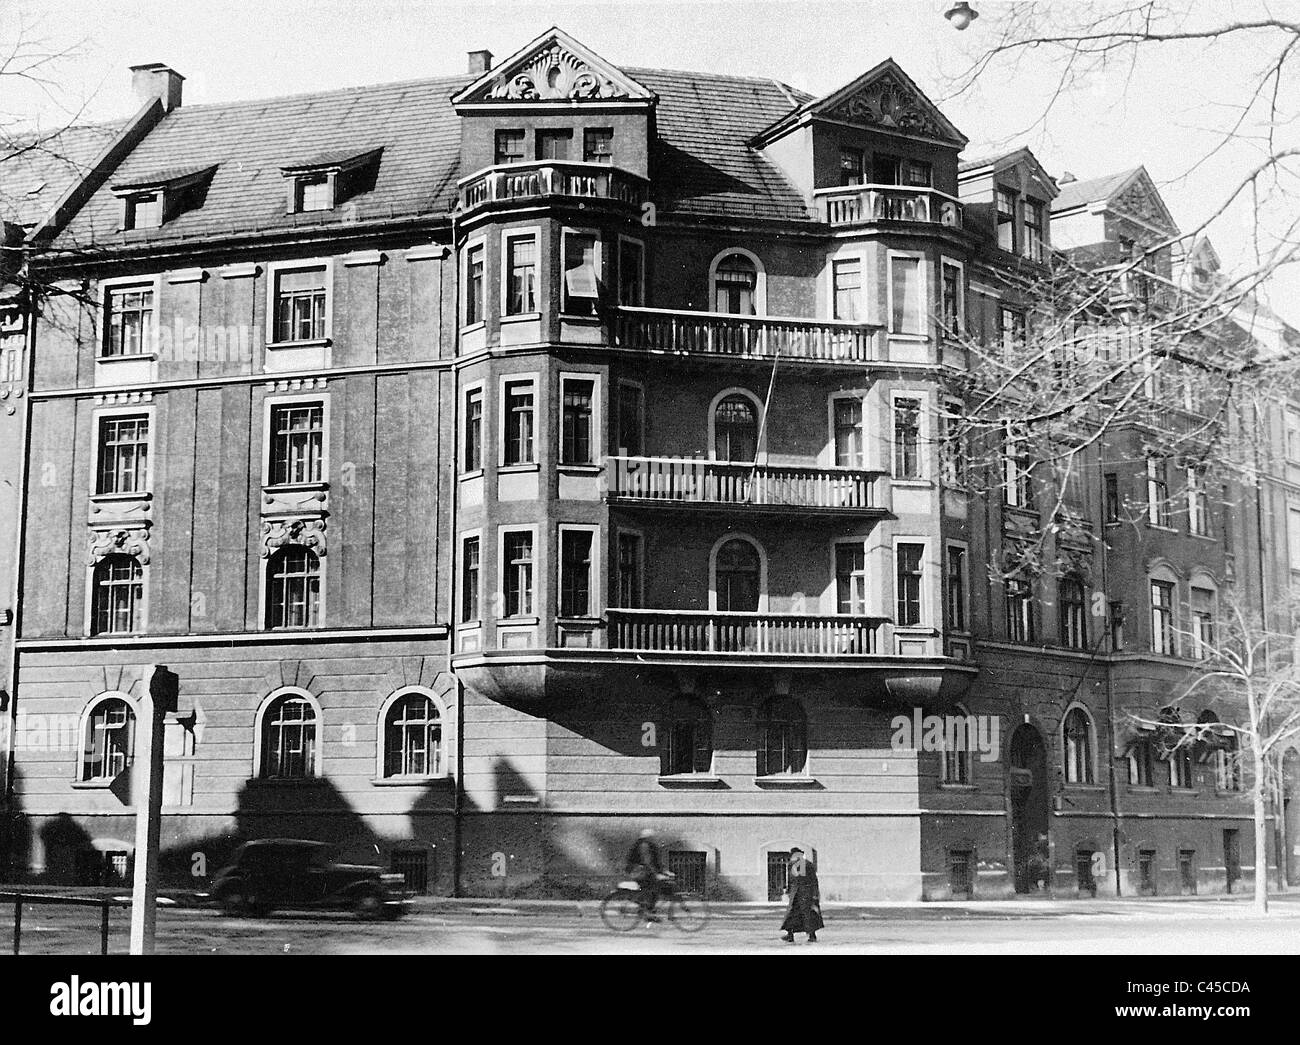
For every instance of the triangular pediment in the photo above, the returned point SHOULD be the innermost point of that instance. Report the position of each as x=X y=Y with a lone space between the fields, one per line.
x=553 y=68
x=883 y=99
x=1139 y=198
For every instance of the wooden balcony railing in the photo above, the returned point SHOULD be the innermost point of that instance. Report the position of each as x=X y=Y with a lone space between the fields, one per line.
x=699 y=631
x=680 y=480
x=762 y=337
x=857 y=204
x=526 y=181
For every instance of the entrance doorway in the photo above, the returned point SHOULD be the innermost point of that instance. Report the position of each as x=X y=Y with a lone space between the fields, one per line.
x=1029 y=810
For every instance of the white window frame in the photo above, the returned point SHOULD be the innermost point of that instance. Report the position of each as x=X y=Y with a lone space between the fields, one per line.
x=566 y=233
x=862 y=400
x=951 y=408
x=1198 y=504
x=381 y=737
x=597 y=431
x=594 y=573
x=273 y=271
x=713 y=569
x=923 y=438
x=1092 y=746
x=618 y=265
x=462 y=440
x=142 y=623
x=1201 y=581
x=264 y=583
x=1293 y=535
x=760 y=434
x=471 y=244
x=927 y=577
x=1164 y=575
x=760 y=279
x=269 y=403
x=831 y=600
x=259 y=735
x=534 y=377
x=923 y=294
x=86 y=712
x=1159 y=511
x=539 y=567
x=1291 y=434
x=947 y=262
x=640 y=565
x=966 y=628
x=860 y=256
x=153 y=283
x=539 y=271
x=146 y=410
x=964 y=755
x=461 y=538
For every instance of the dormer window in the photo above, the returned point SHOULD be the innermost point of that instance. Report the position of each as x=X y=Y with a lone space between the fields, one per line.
x=1006 y=207
x=150 y=202
x=1035 y=249
x=328 y=180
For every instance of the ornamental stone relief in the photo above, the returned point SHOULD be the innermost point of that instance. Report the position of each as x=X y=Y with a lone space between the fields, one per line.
x=1137 y=201
x=133 y=542
x=887 y=103
x=556 y=73
x=310 y=533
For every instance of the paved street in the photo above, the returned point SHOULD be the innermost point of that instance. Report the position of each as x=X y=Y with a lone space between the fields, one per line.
x=470 y=927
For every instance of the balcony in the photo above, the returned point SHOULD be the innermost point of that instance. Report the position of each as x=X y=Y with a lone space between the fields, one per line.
x=549 y=179
x=745 y=337
x=676 y=482
x=762 y=634
x=861 y=204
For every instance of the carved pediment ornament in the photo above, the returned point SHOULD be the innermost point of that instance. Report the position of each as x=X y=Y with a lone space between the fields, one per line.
x=133 y=542
x=1136 y=200
x=310 y=533
x=556 y=73
x=887 y=103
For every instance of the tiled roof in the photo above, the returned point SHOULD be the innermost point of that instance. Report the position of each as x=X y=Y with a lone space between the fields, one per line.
x=36 y=170
x=702 y=162
x=1076 y=193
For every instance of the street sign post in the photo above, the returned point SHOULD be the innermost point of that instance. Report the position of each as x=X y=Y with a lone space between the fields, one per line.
x=158 y=696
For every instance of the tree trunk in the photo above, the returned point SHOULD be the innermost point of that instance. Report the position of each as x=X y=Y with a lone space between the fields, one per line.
x=1261 y=837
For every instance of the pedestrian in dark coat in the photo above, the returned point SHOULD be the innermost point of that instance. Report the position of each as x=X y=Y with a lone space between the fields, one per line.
x=804 y=913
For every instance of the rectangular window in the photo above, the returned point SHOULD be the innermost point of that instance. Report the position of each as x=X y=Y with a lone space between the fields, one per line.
x=1115 y=612
x=848 y=433
x=952 y=299
x=1006 y=212
x=554 y=145
x=510 y=147
x=581 y=287
x=1293 y=436
x=1034 y=248
x=1158 y=509
x=577 y=398
x=297 y=443
x=956 y=588
x=313 y=192
x=517 y=566
x=469 y=579
x=1293 y=536
x=631 y=273
x=518 y=413
x=521 y=275
x=129 y=323
x=300 y=304
x=1011 y=324
x=144 y=211
x=1162 y=618
x=473 y=440
x=474 y=285
x=575 y=573
x=846 y=276
x=1112 y=497
x=907 y=308
x=598 y=145
x=908 y=584
x=1141 y=764
x=631 y=420
x=907 y=438
x=629 y=570
x=1198 y=509
x=1203 y=638
x=123 y=455
x=851 y=579
x=1020 y=610
x=850 y=166
x=1073 y=613
x=1018 y=485
x=952 y=444
x=916 y=173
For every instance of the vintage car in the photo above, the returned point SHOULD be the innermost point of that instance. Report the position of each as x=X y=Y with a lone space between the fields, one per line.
x=292 y=874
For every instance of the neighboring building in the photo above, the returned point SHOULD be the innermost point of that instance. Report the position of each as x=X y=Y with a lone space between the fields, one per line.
x=508 y=462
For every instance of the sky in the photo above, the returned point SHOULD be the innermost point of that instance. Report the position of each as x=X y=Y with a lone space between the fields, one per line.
x=1161 y=115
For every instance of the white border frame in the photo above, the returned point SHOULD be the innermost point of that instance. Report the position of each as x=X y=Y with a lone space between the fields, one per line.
x=713 y=569
x=151 y=348
x=273 y=272
x=597 y=418
x=84 y=722
x=485 y=426
x=381 y=733
x=927 y=582
x=862 y=398
x=566 y=232
x=142 y=622
x=1093 y=766
x=540 y=271
x=760 y=429
x=924 y=437
x=830 y=600
x=858 y=254
x=535 y=613
x=964 y=547
x=461 y=620
x=269 y=403
x=595 y=608
x=962 y=323
x=760 y=279
x=534 y=378
x=259 y=742
x=923 y=264
x=100 y=413
x=263 y=585
x=465 y=250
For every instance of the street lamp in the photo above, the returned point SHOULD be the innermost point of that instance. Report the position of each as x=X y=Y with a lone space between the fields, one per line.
x=961 y=14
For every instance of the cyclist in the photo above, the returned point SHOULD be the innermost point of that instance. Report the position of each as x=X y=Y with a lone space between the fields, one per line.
x=644 y=865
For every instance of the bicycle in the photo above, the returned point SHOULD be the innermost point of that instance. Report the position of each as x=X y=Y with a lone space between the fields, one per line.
x=622 y=910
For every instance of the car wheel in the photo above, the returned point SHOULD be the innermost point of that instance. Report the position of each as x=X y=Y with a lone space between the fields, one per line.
x=368 y=905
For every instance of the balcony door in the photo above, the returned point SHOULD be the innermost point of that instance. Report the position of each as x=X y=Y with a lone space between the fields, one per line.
x=735 y=429
x=735 y=286
x=736 y=577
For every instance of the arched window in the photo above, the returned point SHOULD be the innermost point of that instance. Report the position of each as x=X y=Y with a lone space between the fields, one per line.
x=289 y=738
x=293 y=588
x=957 y=764
x=413 y=737
x=735 y=285
x=118 y=595
x=109 y=740
x=735 y=429
x=737 y=576
x=690 y=738
x=782 y=738
x=1077 y=731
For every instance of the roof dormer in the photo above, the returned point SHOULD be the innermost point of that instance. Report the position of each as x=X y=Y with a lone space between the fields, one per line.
x=329 y=179
x=150 y=201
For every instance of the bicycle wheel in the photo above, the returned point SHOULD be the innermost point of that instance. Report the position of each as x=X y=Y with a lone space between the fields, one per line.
x=688 y=913
x=620 y=911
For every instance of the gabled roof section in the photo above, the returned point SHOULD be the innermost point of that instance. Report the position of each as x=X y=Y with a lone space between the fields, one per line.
x=1021 y=157
x=1130 y=193
x=553 y=68
x=340 y=160
x=172 y=178
x=884 y=98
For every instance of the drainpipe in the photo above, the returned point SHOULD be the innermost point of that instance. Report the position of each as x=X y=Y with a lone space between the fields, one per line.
x=454 y=551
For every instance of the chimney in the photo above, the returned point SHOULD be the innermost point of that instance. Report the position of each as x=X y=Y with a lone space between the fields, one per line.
x=1066 y=178
x=479 y=62
x=157 y=80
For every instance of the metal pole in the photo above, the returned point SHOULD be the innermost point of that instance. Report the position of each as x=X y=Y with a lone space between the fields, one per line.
x=18 y=921
x=103 y=927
